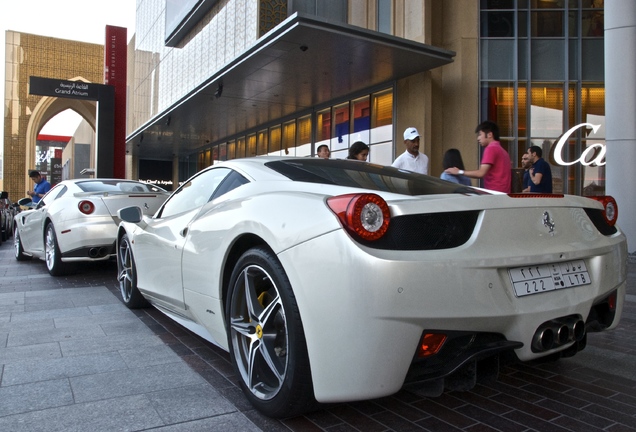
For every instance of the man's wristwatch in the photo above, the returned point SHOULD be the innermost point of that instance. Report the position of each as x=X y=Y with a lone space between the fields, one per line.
x=461 y=172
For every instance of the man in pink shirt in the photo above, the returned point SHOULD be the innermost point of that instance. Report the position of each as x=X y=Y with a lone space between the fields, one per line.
x=495 y=168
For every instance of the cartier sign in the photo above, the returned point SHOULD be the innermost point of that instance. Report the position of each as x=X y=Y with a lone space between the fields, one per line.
x=594 y=154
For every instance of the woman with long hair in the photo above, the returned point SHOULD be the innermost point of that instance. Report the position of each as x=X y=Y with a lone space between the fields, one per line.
x=358 y=151
x=453 y=158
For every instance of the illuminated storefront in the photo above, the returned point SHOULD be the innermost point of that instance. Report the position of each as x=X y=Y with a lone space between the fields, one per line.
x=540 y=76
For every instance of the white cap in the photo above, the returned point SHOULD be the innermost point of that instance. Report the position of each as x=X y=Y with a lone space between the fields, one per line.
x=411 y=133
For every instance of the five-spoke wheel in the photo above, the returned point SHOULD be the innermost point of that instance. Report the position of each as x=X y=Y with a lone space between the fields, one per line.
x=52 y=254
x=18 y=249
x=127 y=275
x=267 y=342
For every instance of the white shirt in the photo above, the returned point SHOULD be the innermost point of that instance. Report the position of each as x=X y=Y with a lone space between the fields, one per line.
x=407 y=161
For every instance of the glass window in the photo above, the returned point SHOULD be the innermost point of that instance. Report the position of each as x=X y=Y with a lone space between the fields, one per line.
x=116 y=186
x=361 y=113
x=522 y=24
x=522 y=111
x=592 y=64
x=53 y=194
x=497 y=24
x=303 y=141
x=499 y=4
x=547 y=24
x=274 y=140
x=289 y=138
x=368 y=176
x=194 y=193
x=498 y=102
x=546 y=111
x=261 y=139
x=229 y=183
x=495 y=59
x=547 y=59
x=323 y=128
x=381 y=132
x=384 y=16
x=382 y=109
x=593 y=22
x=251 y=145
x=341 y=115
x=240 y=148
x=231 y=150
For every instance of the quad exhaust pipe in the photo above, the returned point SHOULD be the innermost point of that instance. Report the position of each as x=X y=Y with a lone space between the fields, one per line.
x=558 y=332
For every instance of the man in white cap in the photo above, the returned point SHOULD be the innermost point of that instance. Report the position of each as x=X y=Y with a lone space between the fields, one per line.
x=412 y=159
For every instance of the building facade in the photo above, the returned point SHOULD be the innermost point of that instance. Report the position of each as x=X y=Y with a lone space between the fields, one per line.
x=25 y=114
x=531 y=66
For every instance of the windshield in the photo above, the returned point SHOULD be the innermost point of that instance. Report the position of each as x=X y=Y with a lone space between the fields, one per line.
x=366 y=176
x=118 y=186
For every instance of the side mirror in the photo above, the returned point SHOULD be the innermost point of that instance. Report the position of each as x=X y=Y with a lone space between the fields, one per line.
x=26 y=202
x=130 y=214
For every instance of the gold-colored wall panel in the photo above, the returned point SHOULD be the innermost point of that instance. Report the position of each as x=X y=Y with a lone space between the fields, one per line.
x=32 y=55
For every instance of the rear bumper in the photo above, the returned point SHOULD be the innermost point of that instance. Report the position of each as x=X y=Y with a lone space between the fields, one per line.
x=90 y=253
x=88 y=240
x=364 y=311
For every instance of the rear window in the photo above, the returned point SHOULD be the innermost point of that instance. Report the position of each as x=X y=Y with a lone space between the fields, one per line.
x=117 y=186
x=366 y=176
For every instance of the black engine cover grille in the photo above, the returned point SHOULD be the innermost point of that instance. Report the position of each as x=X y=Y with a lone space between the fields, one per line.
x=427 y=231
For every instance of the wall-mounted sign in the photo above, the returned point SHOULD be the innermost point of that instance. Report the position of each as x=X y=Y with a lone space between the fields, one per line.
x=63 y=88
x=594 y=154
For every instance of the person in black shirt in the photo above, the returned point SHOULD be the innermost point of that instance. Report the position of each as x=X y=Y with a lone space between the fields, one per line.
x=540 y=173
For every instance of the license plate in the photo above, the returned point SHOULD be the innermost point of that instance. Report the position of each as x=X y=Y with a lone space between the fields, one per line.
x=548 y=277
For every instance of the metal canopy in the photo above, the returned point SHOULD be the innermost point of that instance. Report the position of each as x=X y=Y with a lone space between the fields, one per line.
x=302 y=63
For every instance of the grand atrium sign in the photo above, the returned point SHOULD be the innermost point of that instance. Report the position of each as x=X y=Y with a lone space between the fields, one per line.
x=594 y=154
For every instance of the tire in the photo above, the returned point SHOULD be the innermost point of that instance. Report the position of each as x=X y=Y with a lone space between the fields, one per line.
x=17 y=247
x=266 y=337
x=52 y=254
x=127 y=276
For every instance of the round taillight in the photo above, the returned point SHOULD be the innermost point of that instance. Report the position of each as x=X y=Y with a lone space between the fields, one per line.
x=86 y=207
x=610 y=208
x=365 y=215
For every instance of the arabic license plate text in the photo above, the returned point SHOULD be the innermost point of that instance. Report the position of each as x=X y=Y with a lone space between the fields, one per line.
x=548 y=277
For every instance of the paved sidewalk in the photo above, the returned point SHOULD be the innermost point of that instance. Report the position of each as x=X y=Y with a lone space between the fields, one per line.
x=74 y=358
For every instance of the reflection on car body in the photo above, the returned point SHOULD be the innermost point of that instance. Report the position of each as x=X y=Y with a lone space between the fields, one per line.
x=333 y=280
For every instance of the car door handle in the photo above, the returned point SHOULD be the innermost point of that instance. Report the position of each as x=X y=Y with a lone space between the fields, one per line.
x=184 y=232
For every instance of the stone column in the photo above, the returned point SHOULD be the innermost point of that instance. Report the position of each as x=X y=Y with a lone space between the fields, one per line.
x=620 y=112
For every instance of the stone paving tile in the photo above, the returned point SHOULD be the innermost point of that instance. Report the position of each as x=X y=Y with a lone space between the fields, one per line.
x=34 y=337
x=126 y=413
x=29 y=352
x=34 y=397
x=133 y=381
x=65 y=367
x=108 y=343
x=189 y=403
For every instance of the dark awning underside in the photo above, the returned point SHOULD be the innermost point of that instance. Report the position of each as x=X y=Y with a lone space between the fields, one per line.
x=302 y=63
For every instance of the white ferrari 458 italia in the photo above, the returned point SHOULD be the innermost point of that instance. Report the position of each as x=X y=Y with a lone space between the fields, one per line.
x=335 y=280
x=77 y=220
